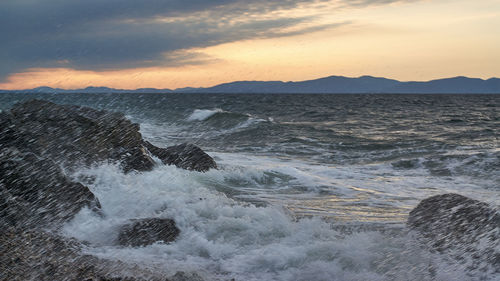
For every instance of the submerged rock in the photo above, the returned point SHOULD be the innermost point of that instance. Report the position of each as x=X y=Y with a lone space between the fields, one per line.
x=34 y=192
x=467 y=229
x=185 y=156
x=143 y=232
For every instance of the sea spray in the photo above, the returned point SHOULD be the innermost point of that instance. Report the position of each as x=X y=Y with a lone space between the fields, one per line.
x=319 y=190
x=226 y=238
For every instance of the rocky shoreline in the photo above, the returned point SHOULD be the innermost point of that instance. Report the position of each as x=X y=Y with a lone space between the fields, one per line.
x=41 y=141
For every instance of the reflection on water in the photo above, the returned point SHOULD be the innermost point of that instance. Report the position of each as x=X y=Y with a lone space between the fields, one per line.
x=310 y=187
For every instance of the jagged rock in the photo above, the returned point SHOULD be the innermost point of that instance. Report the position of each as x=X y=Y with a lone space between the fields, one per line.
x=39 y=255
x=34 y=192
x=183 y=276
x=7 y=133
x=185 y=156
x=74 y=135
x=460 y=226
x=145 y=232
x=39 y=140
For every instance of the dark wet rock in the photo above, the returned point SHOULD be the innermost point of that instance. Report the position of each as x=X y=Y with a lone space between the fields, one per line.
x=466 y=229
x=74 y=135
x=39 y=255
x=39 y=142
x=34 y=192
x=47 y=256
x=183 y=276
x=185 y=156
x=454 y=216
x=7 y=132
x=143 y=232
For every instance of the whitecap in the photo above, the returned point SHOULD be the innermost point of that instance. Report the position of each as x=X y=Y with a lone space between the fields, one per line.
x=203 y=114
x=223 y=238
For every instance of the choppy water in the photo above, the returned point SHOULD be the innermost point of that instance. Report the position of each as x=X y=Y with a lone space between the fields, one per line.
x=311 y=187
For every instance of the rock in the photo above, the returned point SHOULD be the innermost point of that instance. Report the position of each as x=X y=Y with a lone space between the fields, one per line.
x=183 y=276
x=466 y=229
x=74 y=135
x=7 y=133
x=39 y=141
x=40 y=255
x=185 y=156
x=34 y=192
x=145 y=232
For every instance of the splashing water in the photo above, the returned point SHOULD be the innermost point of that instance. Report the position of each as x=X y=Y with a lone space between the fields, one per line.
x=311 y=187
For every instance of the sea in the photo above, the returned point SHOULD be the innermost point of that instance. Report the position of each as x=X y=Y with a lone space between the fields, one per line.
x=309 y=186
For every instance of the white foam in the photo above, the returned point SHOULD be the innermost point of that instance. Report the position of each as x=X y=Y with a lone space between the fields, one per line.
x=222 y=238
x=368 y=189
x=246 y=121
x=203 y=114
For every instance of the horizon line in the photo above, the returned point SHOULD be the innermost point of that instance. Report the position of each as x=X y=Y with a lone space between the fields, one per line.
x=237 y=81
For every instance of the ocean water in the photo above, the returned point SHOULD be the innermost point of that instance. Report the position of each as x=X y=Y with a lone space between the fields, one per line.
x=310 y=187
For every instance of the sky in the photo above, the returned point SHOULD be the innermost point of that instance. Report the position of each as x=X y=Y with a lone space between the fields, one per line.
x=130 y=44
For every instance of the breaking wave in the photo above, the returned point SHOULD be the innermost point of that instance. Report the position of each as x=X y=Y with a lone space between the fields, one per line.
x=311 y=187
x=206 y=114
x=219 y=119
x=203 y=114
x=223 y=237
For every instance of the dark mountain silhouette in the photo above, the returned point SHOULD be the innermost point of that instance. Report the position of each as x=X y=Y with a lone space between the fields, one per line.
x=332 y=84
x=327 y=85
x=450 y=85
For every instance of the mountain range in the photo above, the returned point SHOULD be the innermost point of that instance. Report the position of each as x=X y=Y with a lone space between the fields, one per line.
x=326 y=85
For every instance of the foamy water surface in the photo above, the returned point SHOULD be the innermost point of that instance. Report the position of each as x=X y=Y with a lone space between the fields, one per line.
x=314 y=187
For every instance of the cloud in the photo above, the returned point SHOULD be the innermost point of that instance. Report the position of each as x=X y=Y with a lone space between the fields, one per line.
x=115 y=34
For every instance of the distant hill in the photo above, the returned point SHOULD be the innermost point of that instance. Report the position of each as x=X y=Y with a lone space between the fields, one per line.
x=332 y=84
x=457 y=85
x=90 y=90
x=327 y=85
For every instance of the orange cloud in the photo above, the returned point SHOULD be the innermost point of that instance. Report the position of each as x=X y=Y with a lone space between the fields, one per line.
x=418 y=41
x=121 y=79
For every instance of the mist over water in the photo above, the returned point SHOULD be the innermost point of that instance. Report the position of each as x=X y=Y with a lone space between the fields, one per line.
x=310 y=187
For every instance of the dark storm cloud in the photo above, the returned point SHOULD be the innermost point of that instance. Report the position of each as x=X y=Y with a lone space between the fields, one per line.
x=104 y=34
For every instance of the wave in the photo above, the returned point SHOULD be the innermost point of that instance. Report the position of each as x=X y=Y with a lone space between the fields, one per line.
x=479 y=165
x=224 y=122
x=206 y=114
x=223 y=238
x=203 y=114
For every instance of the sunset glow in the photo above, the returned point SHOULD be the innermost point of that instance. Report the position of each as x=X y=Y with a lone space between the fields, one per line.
x=405 y=40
